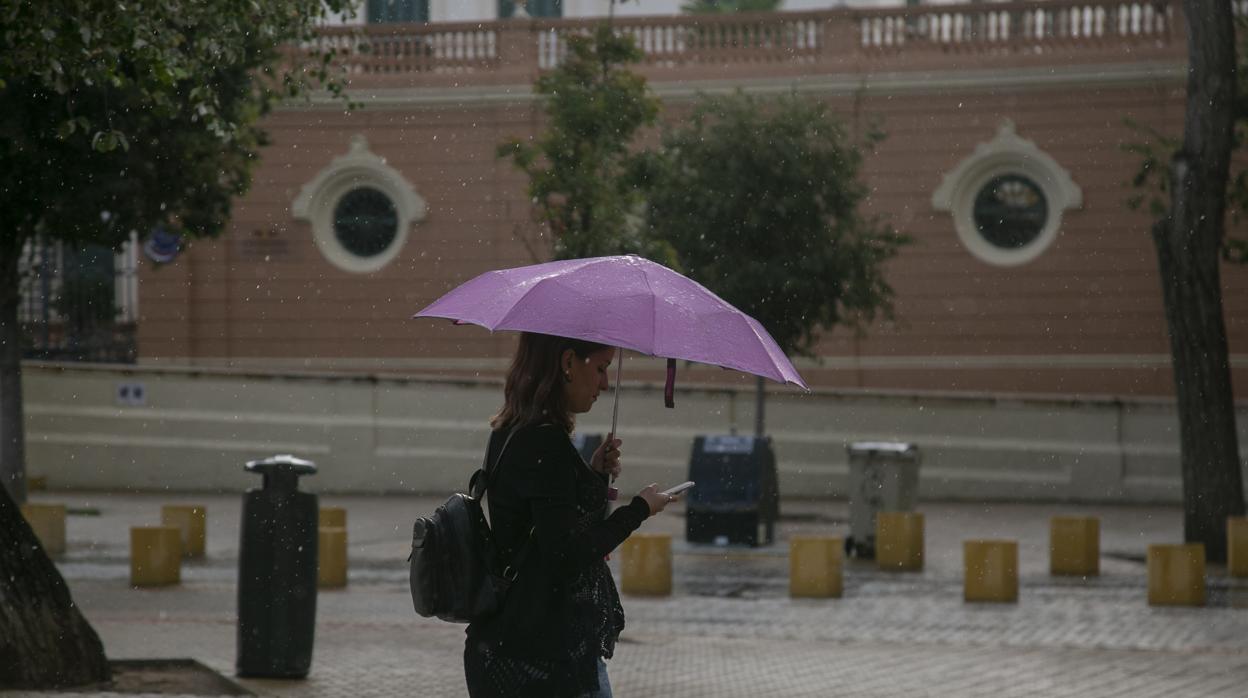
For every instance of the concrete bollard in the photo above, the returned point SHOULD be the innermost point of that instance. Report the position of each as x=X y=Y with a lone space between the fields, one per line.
x=332 y=517
x=192 y=521
x=1075 y=546
x=48 y=523
x=1237 y=546
x=816 y=566
x=331 y=557
x=1176 y=575
x=646 y=565
x=155 y=556
x=899 y=540
x=991 y=569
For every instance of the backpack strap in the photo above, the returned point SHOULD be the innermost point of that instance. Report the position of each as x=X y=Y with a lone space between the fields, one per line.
x=480 y=481
x=477 y=486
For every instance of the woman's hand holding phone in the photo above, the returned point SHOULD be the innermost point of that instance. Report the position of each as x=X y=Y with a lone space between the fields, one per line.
x=673 y=491
x=659 y=500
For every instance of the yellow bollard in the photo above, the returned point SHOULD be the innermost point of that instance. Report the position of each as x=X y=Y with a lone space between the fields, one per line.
x=1176 y=575
x=646 y=565
x=899 y=540
x=815 y=566
x=991 y=569
x=1237 y=546
x=1075 y=546
x=155 y=556
x=331 y=557
x=332 y=517
x=192 y=521
x=48 y=523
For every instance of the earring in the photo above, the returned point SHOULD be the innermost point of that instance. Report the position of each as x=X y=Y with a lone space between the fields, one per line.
x=567 y=376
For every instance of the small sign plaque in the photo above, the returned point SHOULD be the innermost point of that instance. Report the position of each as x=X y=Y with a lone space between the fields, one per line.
x=131 y=395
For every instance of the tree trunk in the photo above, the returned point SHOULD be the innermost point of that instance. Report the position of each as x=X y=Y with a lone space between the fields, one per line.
x=44 y=640
x=1188 y=252
x=12 y=440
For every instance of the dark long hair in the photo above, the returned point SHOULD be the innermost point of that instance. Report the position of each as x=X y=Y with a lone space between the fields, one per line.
x=533 y=393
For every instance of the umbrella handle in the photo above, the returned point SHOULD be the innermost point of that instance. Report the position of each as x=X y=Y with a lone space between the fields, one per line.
x=612 y=492
x=615 y=409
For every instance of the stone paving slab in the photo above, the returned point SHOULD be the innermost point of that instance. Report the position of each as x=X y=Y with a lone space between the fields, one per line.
x=730 y=628
x=368 y=644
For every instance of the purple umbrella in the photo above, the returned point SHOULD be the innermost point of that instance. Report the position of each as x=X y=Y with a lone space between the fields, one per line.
x=623 y=301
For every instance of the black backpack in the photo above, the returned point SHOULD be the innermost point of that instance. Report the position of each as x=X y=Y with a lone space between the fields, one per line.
x=457 y=572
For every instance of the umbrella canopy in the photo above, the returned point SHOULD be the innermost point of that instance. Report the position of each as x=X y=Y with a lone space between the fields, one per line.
x=624 y=301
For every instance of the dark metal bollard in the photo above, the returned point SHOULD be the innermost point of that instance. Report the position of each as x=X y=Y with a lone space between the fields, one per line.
x=277 y=572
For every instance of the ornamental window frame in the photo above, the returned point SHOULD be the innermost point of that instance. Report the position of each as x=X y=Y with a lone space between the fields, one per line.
x=318 y=201
x=1006 y=154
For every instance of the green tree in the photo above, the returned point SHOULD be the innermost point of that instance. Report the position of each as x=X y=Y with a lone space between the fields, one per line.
x=583 y=175
x=1187 y=185
x=116 y=119
x=762 y=202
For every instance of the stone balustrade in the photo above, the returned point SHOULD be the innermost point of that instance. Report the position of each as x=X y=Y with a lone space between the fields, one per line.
x=513 y=51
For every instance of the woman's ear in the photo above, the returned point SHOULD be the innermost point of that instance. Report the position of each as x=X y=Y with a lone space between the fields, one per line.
x=565 y=360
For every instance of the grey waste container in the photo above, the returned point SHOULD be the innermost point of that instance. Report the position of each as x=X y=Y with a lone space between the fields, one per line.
x=277 y=572
x=883 y=476
x=737 y=496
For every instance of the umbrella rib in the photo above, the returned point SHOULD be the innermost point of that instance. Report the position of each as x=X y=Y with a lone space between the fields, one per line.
x=532 y=287
x=515 y=305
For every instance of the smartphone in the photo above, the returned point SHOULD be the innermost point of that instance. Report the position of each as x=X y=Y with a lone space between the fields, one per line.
x=677 y=489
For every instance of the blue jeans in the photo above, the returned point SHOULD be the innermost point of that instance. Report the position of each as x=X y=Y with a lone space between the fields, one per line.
x=604 y=683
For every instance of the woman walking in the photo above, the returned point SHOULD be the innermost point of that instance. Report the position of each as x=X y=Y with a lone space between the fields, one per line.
x=547 y=508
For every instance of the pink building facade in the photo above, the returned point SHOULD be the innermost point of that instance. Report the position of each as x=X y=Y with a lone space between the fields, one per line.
x=1012 y=113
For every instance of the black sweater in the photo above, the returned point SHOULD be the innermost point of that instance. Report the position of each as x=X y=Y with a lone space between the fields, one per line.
x=536 y=487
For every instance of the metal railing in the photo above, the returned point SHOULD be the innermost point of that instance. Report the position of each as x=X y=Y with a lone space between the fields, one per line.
x=78 y=303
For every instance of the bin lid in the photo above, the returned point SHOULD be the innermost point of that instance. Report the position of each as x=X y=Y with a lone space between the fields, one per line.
x=283 y=463
x=728 y=443
x=900 y=448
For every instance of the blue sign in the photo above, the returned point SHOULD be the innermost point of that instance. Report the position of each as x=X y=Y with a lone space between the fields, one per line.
x=161 y=246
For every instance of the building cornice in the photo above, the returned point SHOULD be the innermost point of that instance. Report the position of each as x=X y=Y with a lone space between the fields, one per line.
x=1168 y=73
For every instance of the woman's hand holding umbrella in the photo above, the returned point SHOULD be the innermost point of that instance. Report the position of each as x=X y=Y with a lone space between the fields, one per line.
x=606 y=460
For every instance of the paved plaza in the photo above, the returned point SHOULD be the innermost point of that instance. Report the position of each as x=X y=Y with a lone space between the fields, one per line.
x=729 y=629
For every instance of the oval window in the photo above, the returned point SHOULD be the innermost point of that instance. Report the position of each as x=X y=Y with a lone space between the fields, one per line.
x=366 y=222
x=1010 y=211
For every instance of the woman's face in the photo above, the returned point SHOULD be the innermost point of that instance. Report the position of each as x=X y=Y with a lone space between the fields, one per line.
x=588 y=378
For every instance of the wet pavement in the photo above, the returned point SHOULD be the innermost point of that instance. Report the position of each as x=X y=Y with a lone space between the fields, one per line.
x=729 y=629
